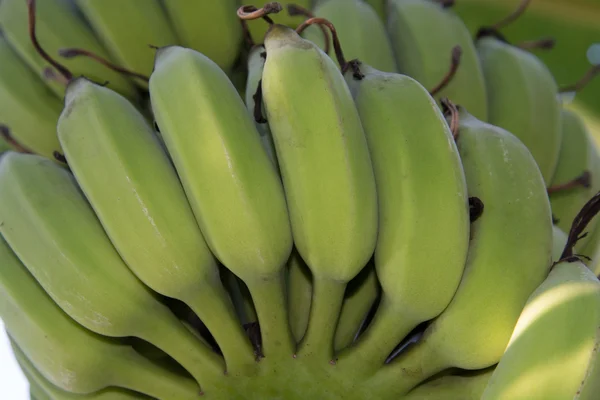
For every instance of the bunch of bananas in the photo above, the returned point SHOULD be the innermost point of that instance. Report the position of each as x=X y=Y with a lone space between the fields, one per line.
x=184 y=216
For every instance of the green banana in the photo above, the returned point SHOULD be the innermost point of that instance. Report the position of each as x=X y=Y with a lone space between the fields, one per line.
x=299 y=286
x=57 y=27
x=360 y=31
x=380 y=8
x=208 y=26
x=161 y=242
x=559 y=239
x=258 y=29
x=423 y=35
x=327 y=174
x=522 y=98
x=453 y=387
x=553 y=351
x=27 y=107
x=49 y=224
x=71 y=357
x=128 y=28
x=401 y=123
x=233 y=187
x=510 y=254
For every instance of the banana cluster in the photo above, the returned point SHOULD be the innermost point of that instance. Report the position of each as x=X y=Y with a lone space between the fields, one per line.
x=201 y=219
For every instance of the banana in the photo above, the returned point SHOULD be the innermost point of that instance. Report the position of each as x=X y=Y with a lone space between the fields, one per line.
x=71 y=357
x=208 y=26
x=232 y=185
x=423 y=35
x=57 y=27
x=509 y=256
x=327 y=174
x=50 y=225
x=401 y=123
x=161 y=242
x=559 y=240
x=27 y=107
x=453 y=387
x=256 y=64
x=360 y=31
x=259 y=28
x=380 y=8
x=522 y=98
x=128 y=28
x=299 y=287
x=553 y=351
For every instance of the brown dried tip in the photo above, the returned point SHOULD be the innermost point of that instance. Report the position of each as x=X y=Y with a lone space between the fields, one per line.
x=580 y=84
x=583 y=180
x=18 y=147
x=445 y=3
x=249 y=12
x=581 y=221
x=339 y=54
x=296 y=10
x=541 y=44
x=454 y=64
x=451 y=110
x=72 y=53
x=354 y=65
x=59 y=157
x=475 y=208
x=257 y=97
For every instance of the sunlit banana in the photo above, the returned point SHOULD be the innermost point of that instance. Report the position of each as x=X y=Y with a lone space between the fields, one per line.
x=360 y=30
x=50 y=225
x=553 y=351
x=327 y=174
x=510 y=253
x=208 y=26
x=522 y=98
x=68 y=355
x=453 y=387
x=57 y=27
x=423 y=35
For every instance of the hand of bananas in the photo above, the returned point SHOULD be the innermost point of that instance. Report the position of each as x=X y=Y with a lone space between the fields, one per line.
x=199 y=202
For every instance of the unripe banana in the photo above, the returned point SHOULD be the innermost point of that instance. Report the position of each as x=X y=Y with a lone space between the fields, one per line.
x=128 y=29
x=402 y=123
x=327 y=174
x=553 y=351
x=259 y=28
x=423 y=36
x=559 y=241
x=299 y=294
x=27 y=107
x=126 y=176
x=50 y=225
x=380 y=8
x=208 y=26
x=232 y=185
x=522 y=98
x=68 y=355
x=453 y=387
x=510 y=254
x=58 y=27
x=360 y=31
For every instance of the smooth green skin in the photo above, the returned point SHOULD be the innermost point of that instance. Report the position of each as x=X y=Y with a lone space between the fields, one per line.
x=327 y=174
x=403 y=123
x=522 y=98
x=299 y=294
x=424 y=53
x=575 y=157
x=380 y=8
x=68 y=355
x=232 y=185
x=58 y=27
x=126 y=176
x=453 y=387
x=256 y=64
x=208 y=26
x=126 y=28
x=49 y=224
x=510 y=253
x=553 y=352
x=258 y=28
x=27 y=107
x=361 y=33
x=559 y=241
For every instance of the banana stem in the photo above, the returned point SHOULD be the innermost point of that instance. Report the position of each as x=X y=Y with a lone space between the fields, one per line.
x=270 y=304
x=390 y=325
x=327 y=300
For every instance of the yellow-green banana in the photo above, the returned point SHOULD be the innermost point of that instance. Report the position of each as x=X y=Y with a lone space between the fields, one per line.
x=559 y=238
x=208 y=26
x=68 y=355
x=299 y=294
x=553 y=351
x=57 y=27
x=510 y=253
x=402 y=124
x=50 y=225
x=453 y=387
x=361 y=33
x=259 y=28
x=27 y=107
x=327 y=174
x=128 y=29
x=232 y=185
x=522 y=98
x=423 y=35
x=160 y=242
x=380 y=8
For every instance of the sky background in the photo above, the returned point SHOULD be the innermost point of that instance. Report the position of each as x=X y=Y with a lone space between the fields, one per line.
x=13 y=385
